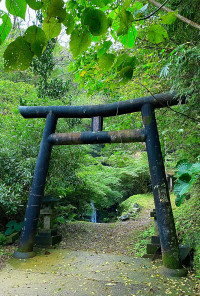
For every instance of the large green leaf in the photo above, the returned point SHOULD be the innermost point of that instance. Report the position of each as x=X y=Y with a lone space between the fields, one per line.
x=181 y=187
x=125 y=60
x=18 y=55
x=106 y=61
x=9 y=231
x=18 y=226
x=126 y=19
x=5 y=27
x=80 y=41
x=51 y=27
x=179 y=199
x=69 y=23
x=96 y=20
x=186 y=177
x=128 y=40
x=182 y=167
x=157 y=34
x=140 y=11
x=195 y=168
x=37 y=39
x=11 y=223
x=98 y=3
x=105 y=46
x=34 y=4
x=16 y=7
x=187 y=174
x=168 y=18
x=56 y=10
x=125 y=75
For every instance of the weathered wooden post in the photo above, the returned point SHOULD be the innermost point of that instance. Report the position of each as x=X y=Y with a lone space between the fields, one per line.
x=27 y=238
x=166 y=226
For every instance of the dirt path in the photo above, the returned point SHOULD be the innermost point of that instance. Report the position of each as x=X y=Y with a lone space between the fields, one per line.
x=115 y=238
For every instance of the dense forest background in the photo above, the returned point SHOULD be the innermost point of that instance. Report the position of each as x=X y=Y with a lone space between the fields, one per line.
x=105 y=175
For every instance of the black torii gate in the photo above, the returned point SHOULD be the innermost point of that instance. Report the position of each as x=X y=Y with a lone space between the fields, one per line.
x=167 y=231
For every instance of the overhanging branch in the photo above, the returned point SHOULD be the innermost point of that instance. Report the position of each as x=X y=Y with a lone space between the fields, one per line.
x=182 y=18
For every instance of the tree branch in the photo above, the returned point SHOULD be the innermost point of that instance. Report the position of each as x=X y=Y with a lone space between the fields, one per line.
x=182 y=18
x=151 y=14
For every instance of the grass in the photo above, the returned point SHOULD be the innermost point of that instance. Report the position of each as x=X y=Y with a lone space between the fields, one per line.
x=145 y=200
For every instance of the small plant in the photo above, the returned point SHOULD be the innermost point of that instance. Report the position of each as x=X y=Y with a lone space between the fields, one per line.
x=143 y=240
x=2 y=239
x=187 y=174
x=13 y=226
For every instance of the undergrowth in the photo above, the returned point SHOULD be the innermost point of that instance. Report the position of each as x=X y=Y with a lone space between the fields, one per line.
x=187 y=221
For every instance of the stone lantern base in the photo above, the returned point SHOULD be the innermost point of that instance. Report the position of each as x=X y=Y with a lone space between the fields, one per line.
x=47 y=238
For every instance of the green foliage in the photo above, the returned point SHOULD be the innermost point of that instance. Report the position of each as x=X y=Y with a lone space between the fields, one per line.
x=13 y=226
x=18 y=55
x=187 y=220
x=157 y=34
x=69 y=23
x=36 y=38
x=128 y=39
x=16 y=7
x=104 y=48
x=96 y=21
x=88 y=21
x=80 y=40
x=5 y=27
x=44 y=66
x=2 y=239
x=106 y=61
x=187 y=175
x=168 y=18
x=51 y=27
x=56 y=10
x=143 y=239
x=34 y=4
x=66 y=212
x=142 y=199
x=183 y=70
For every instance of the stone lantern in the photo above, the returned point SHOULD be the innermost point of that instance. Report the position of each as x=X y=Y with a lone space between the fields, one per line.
x=47 y=235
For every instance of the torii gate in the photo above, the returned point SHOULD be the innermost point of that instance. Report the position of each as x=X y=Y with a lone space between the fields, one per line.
x=149 y=134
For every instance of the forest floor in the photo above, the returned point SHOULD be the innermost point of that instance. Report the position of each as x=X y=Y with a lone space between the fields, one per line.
x=94 y=259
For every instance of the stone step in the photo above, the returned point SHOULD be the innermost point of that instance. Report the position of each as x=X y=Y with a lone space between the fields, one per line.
x=47 y=232
x=152 y=248
x=155 y=240
x=45 y=241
